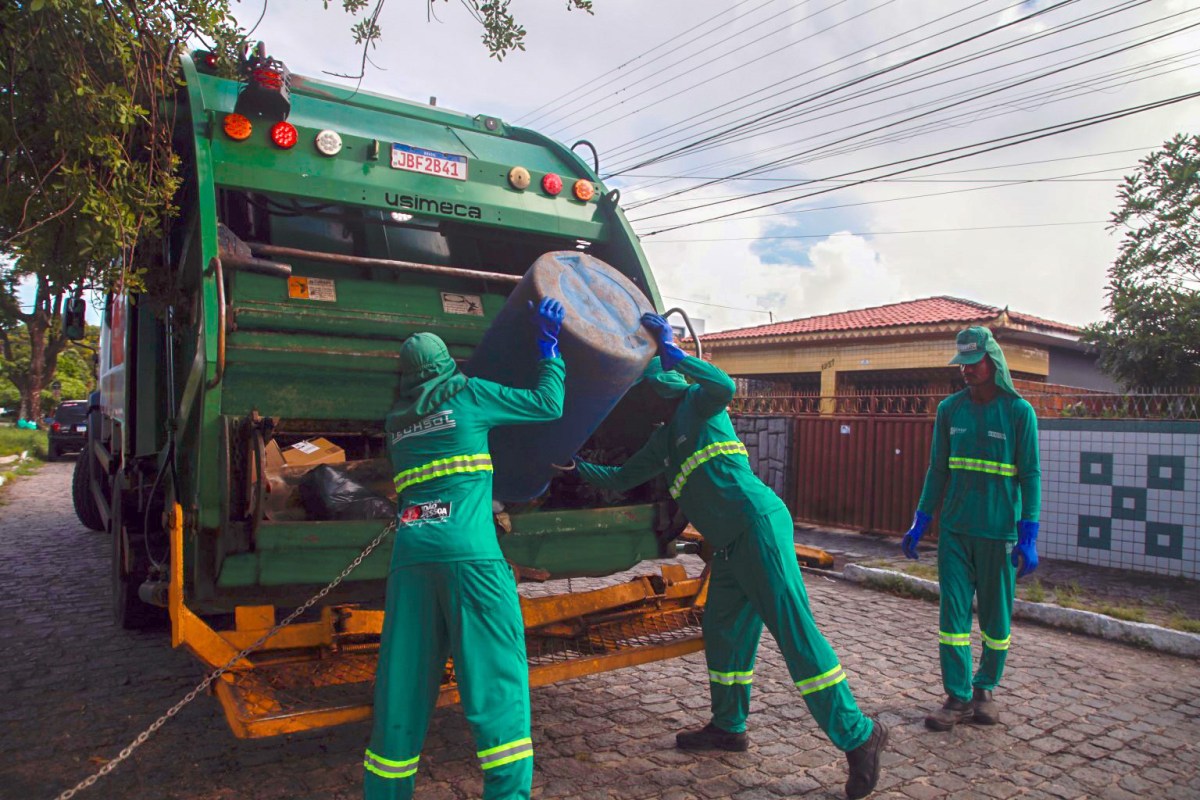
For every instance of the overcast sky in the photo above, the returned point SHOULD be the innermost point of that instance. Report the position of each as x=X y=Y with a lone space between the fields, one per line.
x=640 y=79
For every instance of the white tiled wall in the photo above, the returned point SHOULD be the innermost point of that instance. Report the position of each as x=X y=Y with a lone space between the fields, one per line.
x=1113 y=494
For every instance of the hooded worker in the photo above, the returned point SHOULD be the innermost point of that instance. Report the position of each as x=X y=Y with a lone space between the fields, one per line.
x=755 y=578
x=985 y=475
x=450 y=591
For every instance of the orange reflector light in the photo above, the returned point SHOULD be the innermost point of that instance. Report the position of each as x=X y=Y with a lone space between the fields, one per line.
x=284 y=135
x=551 y=184
x=237 y=127
x=519 y=178
x=584 y=190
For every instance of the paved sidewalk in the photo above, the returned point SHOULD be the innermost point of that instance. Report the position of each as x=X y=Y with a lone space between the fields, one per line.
x=1084 y=718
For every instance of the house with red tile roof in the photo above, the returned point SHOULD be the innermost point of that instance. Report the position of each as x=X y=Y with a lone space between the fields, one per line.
x=897 y=347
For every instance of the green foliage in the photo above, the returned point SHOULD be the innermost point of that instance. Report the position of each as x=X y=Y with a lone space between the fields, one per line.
x=13 y=441
x=502 y=33
x=1151 y=337
x=1034 y=591
x=75 y=370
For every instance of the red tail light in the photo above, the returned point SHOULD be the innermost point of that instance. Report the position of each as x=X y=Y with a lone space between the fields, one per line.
x=284 y=135
x=551 y=184
x=56 y=427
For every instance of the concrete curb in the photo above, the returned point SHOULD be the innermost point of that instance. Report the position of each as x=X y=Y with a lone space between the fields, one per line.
x=1165 y=640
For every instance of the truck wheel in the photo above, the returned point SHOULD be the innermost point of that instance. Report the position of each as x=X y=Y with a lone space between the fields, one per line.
x=130 y=569
x=81 y=493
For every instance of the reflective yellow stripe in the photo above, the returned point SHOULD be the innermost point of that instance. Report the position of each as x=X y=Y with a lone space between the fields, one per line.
x=979 y=465
x=505 y=753
x=481 y=462
x=729 y=448
x=387 y=768
x=995 y=644
x=954 y=639
x=822 y=681
x=730 y=678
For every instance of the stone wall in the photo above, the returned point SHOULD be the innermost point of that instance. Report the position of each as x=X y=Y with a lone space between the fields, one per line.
x=769 y=441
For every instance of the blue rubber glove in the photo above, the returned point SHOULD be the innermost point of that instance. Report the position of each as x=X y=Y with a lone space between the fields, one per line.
x=548 y=317
x=1024 y=555
x=908 y=544
x=668 y=351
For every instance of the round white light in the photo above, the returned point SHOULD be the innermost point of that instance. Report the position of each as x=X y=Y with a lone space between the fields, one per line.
x=329 y=143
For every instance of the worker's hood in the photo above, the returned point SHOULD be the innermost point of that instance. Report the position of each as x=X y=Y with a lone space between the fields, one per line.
x=429 y=377
x=667 y=384
x=976 y=342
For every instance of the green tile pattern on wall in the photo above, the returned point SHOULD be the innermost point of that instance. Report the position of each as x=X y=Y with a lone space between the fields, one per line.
x=1095 y=533
x=1096 y=468
x=1165 y=472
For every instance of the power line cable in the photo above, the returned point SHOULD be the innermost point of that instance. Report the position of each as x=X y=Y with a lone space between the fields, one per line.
x=883 y=233
x=534 y=115
x=848 y=84
x=998 y=143
x=1022 y=80
x=734 y=52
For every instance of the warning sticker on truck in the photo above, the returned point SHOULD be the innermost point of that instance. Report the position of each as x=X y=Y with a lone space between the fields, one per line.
x=312 y=289
x=453 y=303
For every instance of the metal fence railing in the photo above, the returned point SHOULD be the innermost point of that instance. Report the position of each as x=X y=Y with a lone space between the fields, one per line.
x=1053 y=403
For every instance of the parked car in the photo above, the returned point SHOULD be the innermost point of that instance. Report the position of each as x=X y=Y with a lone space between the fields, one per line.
x=68 y=428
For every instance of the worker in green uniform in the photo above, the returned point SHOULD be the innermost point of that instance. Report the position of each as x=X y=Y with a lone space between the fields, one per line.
x=449 y=590
x=985 y=474
x=755 y=578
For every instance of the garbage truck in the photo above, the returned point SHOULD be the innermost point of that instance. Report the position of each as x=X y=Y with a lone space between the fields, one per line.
x=318 y=227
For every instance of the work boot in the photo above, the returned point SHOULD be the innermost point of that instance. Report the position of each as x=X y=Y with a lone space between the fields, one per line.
x=952 y=712
x=864 y=763
x=986 y=712
x=710 y=737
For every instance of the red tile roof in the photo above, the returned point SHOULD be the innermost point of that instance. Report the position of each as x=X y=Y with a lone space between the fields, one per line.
x=926 y=311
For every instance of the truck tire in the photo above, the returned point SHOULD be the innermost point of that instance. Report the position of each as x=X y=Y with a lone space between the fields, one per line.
x=51 y=452
x=81 y=493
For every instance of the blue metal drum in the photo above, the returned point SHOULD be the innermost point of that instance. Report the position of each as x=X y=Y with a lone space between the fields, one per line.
x=605 y=348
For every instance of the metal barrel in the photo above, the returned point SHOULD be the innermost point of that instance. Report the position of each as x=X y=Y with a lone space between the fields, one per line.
x=605 y=348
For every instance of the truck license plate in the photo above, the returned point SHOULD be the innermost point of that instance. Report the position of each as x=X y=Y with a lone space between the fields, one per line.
x=429 y=162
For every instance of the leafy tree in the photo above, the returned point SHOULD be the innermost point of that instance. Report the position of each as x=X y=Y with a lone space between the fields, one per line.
x=1151 y=337
x=75 y=370
x=87 y=167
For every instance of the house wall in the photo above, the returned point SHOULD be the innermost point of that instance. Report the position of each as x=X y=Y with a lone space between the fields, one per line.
x=1069 y=368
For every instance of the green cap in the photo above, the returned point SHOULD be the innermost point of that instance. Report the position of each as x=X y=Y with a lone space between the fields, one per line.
x=972 y=344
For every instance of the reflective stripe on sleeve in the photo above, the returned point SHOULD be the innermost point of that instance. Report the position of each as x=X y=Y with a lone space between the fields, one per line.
x=954 y=639
x=995 y=644
x=730 y=678
x=481 y=462
x=505 y=753
x=979 y=465
x=729 y=448
x=387 y=768
x=822 y=681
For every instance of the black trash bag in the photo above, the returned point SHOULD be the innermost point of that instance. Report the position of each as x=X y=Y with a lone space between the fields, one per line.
x=330 y=494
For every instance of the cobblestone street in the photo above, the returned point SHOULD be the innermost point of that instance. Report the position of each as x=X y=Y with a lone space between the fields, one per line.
x=1082 y=717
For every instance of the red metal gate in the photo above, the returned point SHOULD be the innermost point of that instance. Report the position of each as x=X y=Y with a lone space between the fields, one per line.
x=864 y=473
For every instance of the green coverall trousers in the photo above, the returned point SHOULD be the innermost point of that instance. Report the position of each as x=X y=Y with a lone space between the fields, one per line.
x=970 y=566
x=755 y=580
x=468 y=609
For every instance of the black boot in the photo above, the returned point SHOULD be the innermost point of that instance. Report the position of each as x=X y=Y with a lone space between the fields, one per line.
x=710 y=737
x=986 y=712
x=952 y=712
x=864 y=763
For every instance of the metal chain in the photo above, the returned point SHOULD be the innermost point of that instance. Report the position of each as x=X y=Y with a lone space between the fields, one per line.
x=217 y=673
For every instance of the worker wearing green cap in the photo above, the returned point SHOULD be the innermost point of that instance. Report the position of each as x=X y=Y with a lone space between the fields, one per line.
x=755 y=578
x=985 y=475
x=449 y=590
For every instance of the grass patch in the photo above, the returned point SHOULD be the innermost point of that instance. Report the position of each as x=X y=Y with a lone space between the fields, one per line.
x=1069 y=595
x=896 y=585
x=1127 y=613
x=926 y=571
x=1034 y=591
x=16 y=440
x=1182 y=622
